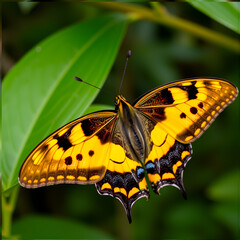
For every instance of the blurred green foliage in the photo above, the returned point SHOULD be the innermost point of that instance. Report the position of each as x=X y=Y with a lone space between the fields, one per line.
x=226 y=13
x=159 y=55
x=66 y=228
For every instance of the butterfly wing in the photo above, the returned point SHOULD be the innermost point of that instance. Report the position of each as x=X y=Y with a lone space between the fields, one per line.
x=76 y=153
x=186 y=108
x=181 y=112
x=166 y=161
x=124 y=178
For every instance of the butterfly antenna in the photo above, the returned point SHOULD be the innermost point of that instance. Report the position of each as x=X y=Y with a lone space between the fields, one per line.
x=127 y=57
x=80 y=80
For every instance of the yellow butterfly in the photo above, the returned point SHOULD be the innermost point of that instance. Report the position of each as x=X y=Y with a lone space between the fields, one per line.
x=114 y=149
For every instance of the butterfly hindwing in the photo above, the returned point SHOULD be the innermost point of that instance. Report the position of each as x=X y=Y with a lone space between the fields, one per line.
x=186 y=108
x=166 y=161
x=124 y=181
x=76 y=153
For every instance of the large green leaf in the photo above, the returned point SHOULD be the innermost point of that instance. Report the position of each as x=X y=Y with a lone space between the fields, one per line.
x=40 y=93
x=226 y=13
x=46 y=227
x=98 y=107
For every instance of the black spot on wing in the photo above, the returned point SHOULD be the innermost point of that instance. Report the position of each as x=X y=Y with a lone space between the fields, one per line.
x=91 y=153
x=193 y=110
x=68 y=160
x=191 y=90
x=200 y=105
x=88 y=127
x=182 y=115
x=166 y=97
x=79 y=157
x=192 y=93
x=63 y=141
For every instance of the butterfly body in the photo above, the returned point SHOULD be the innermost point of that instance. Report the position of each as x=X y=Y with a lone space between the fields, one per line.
x=117 y=149
x=131 y=124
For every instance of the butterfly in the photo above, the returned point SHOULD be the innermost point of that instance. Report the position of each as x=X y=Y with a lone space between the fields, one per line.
x=118 y=149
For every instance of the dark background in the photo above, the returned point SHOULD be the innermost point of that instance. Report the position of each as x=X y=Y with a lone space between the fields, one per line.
x=159 y=55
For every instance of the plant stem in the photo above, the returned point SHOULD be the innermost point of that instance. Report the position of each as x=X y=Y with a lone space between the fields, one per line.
x=162 y=17
x=9 y=200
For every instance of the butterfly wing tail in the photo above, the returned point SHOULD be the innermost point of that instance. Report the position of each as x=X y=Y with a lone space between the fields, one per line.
x=124 y=184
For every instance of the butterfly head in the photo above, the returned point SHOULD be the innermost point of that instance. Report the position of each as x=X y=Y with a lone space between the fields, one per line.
x=119 y=102
x=119 y=98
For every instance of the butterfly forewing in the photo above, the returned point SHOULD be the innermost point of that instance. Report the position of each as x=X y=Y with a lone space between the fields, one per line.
x=186 y=108
x=75 y=153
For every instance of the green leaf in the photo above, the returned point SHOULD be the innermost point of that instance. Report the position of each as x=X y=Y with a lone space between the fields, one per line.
x=226 y=13
x=46 y=227
x=98 y=107
x=40 y=93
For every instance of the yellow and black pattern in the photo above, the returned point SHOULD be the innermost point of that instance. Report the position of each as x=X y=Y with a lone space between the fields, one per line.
x=124 y=181
x=168 y=169
x=76 y=153
x=185 y=109
x=166 y=161
x=114 y=149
